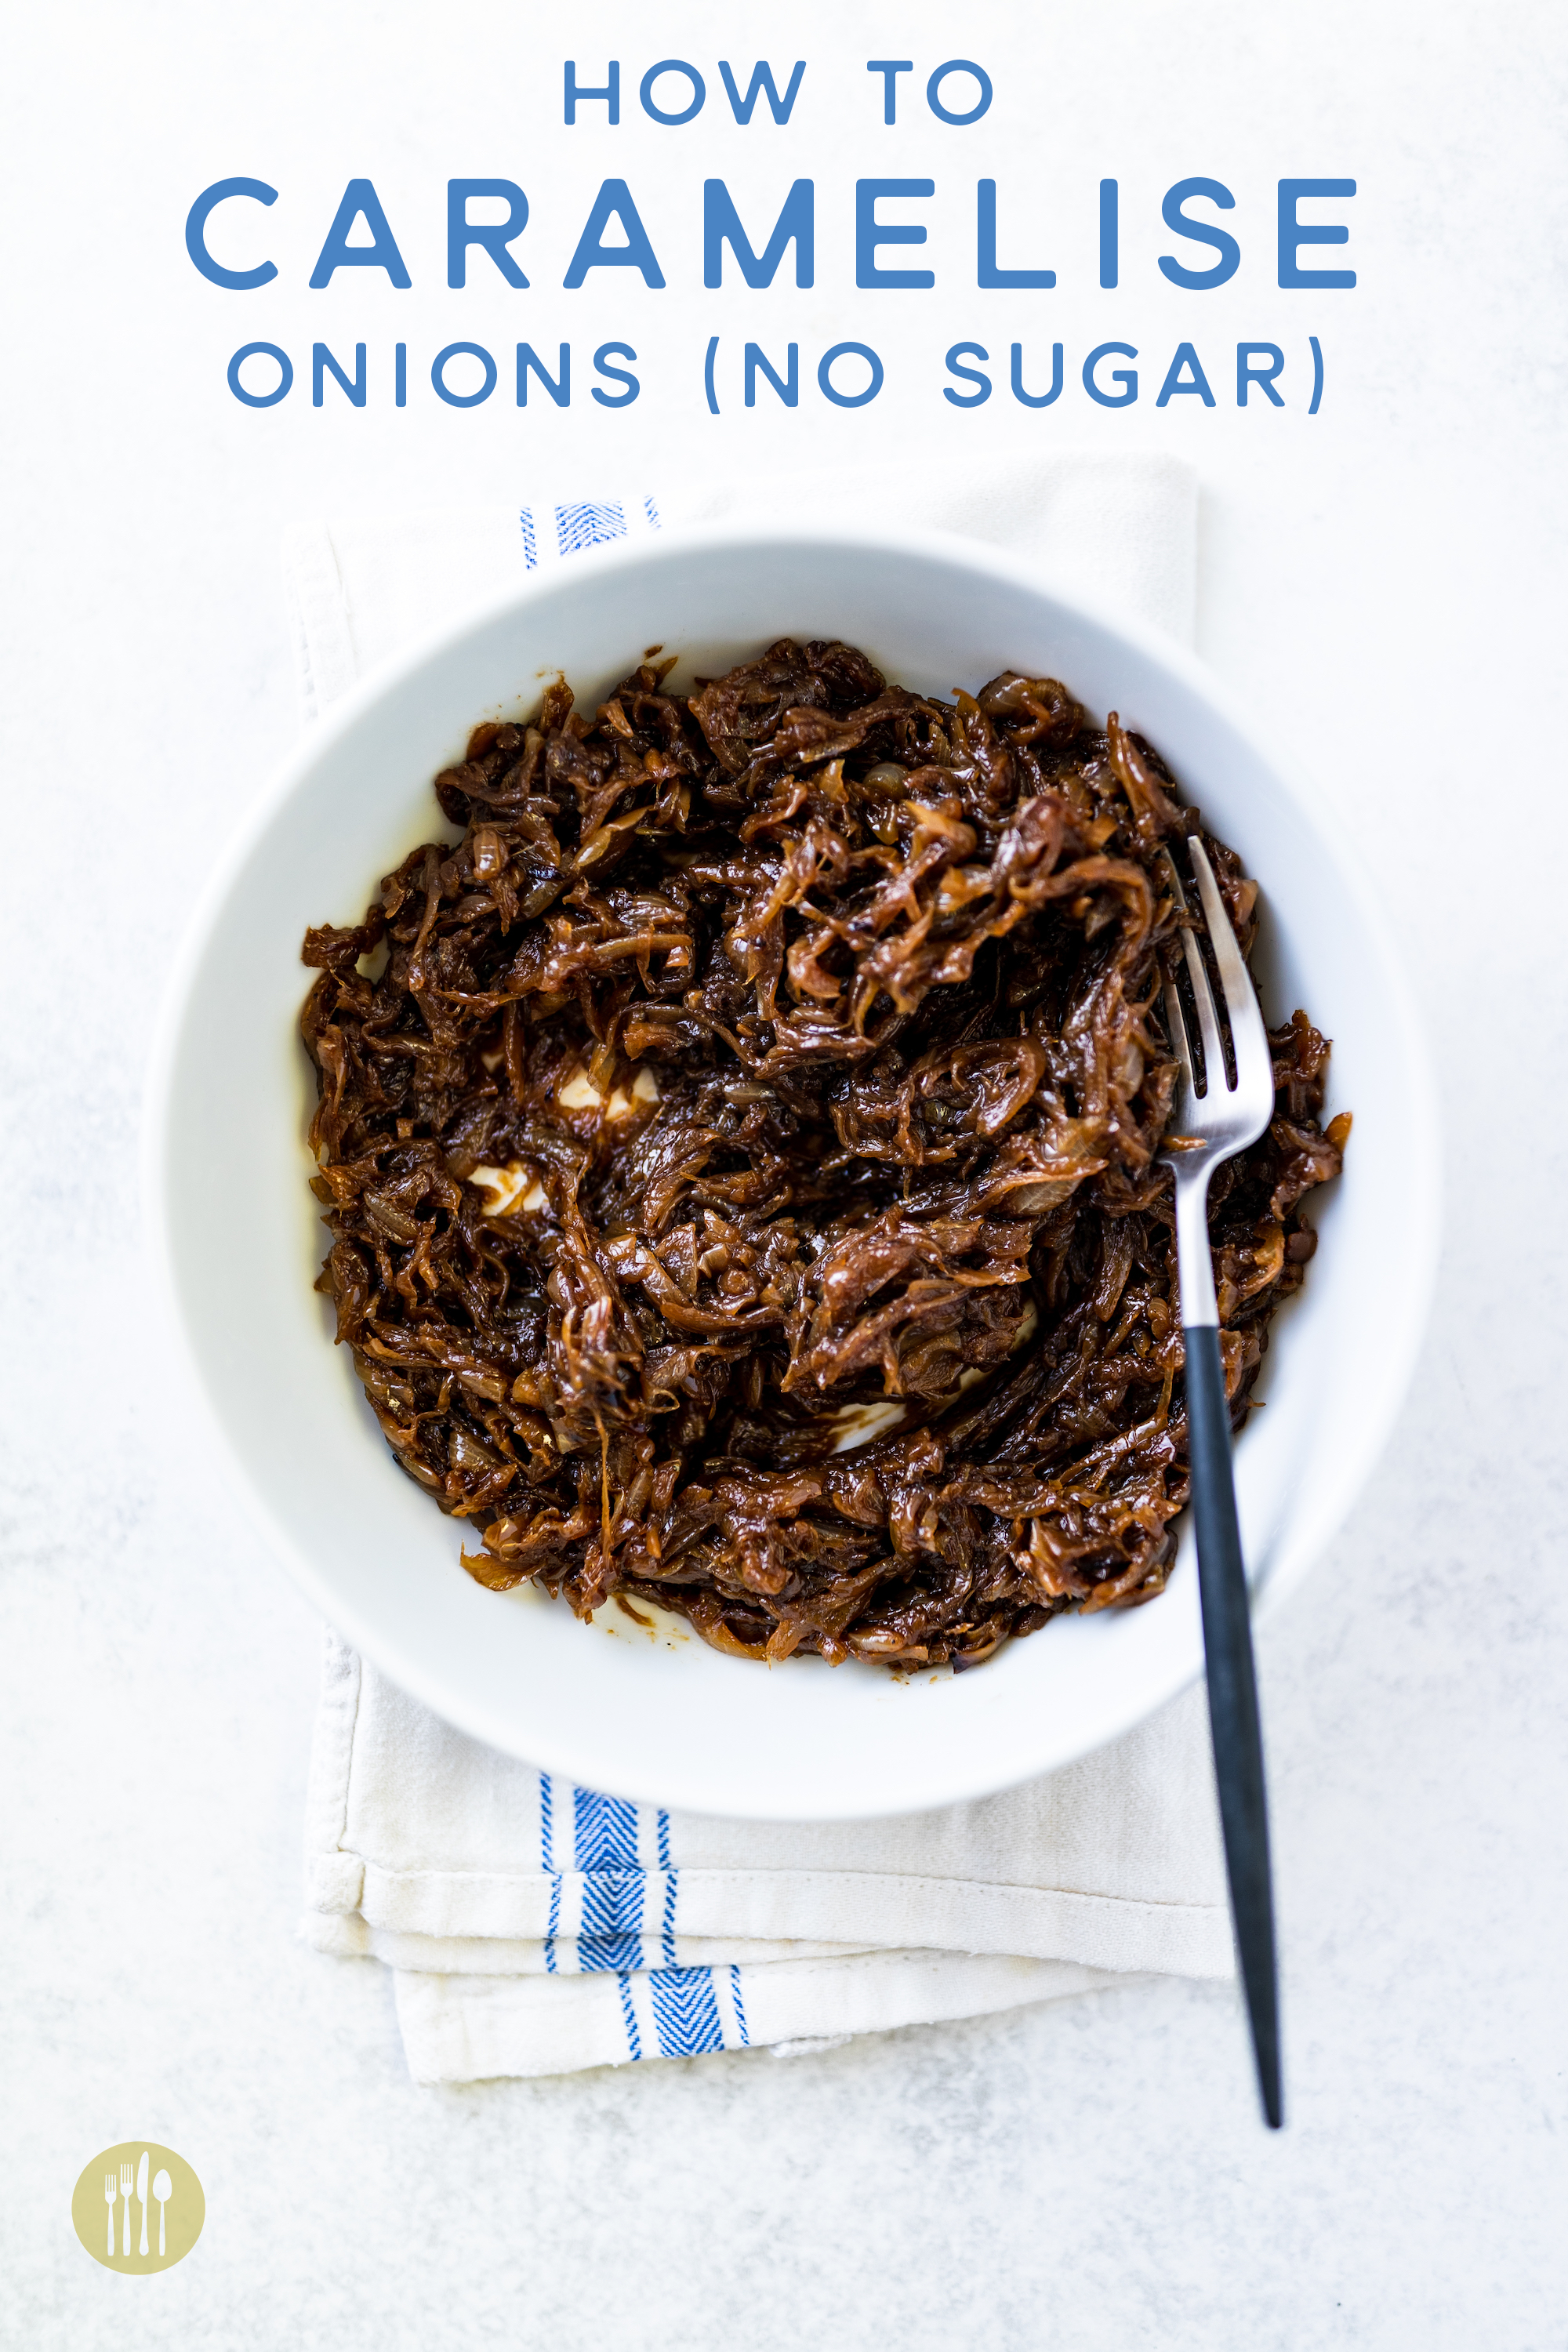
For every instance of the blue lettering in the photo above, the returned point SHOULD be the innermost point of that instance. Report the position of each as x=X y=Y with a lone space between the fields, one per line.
x=672 y=65
x=982 y=80
x=1204 y=232
x=493 y=235
x=955 y=366
x=601 y=358
x=611 y=92
x=721 y=226
x=1187 y=359
x=889 y=68
x=1126 y=377
x=322 y=361
x=1036 y=399
x=1292 y=233
x=463 y=399
x=849 y=399
x=614 y=199
x=238 y=281
x=260 y=399
x=380 y=253
x=1110 y=239
x=558 y=387
x=762 y=81
x=870 y=233
x=1247 y=374
x=989 y=274
x=787 y=386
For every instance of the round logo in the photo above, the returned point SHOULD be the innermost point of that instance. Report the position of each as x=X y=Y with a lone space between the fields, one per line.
x=138 y=2207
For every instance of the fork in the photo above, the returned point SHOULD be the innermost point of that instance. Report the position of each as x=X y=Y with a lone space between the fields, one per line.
x=125 y=2194
x=1223 y=1104
x=111 y=2190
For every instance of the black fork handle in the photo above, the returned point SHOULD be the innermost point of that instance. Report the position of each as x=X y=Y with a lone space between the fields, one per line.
x=1233 y=1703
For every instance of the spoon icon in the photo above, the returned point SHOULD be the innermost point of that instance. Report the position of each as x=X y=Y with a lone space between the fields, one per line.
x=161 y=2188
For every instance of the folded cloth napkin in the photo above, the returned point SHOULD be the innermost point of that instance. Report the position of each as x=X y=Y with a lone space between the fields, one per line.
x=1122 y=530
x=534 y=1928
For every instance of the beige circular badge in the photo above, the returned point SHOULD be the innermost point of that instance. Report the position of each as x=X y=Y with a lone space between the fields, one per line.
x=138 y=2207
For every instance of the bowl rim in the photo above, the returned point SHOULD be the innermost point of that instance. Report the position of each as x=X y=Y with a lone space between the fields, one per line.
x=1422 y=1224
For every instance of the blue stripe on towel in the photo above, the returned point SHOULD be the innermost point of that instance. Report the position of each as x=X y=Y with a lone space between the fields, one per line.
x=671 y=1875
x=685 y=2011
x=610 y=1933
x=530 y=544
x=739 y=2006
x=634 y=2039
x=610 y=1936
x=605 y=1830
x=547 y=1861
x=587 y=525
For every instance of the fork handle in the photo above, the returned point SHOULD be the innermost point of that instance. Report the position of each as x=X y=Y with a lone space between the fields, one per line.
x=1233 y=1701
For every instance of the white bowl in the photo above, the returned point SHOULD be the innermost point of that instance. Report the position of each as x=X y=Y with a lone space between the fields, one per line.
x=666 y=1718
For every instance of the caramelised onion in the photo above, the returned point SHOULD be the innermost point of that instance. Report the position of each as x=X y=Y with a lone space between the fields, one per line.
x=742 y=1168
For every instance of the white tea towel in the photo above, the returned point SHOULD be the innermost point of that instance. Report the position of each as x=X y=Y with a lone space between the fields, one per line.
x=534 y=1927
x=1122 y=530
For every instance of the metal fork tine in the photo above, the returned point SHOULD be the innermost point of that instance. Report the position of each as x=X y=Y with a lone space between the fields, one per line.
x=1202 y=998
x=1249 y=1040
x=1175 y=1018
x=1214 y=1080
x=1176 y=1021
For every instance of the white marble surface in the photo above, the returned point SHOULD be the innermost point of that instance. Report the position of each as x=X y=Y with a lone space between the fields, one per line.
x=1079 y=2176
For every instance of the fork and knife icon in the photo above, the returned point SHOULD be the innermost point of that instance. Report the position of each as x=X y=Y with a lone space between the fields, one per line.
x=162 y=2188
